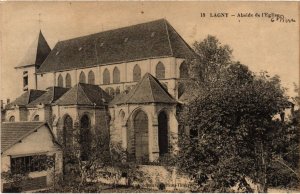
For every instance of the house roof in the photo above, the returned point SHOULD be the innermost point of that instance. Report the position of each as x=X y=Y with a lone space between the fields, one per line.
x=147 y=90
x=84 y=94
x=13 y=132
x=36 y=53
x=49 y=97
x=26 y=98
x=147 y=40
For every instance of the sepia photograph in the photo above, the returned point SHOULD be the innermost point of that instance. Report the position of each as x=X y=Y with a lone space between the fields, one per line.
x=150 y=97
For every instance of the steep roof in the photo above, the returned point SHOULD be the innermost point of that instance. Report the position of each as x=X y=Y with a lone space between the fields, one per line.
x=147 y=40
x=49 y=97
x=36 y=53
x=147 y=90
x=13 y=132
x=26 y=98
x=84 y=94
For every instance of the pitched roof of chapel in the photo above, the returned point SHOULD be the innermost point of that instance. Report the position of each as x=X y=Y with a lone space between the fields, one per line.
x=147 y=90
x=13 y=132
x=26 y=98
x=84 y=94
x=142 y=41
x=49 y=97
x=36 y=53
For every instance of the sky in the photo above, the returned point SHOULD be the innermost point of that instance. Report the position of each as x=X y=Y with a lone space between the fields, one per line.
x=256 y=41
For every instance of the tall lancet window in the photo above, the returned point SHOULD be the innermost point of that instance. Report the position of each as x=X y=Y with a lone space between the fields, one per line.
x=91 y=77
x=60 y=81
x=116 y=75
x=68 y=81
x=160 y=71
x=106 y=77
x=82 y=78
x=136 y=73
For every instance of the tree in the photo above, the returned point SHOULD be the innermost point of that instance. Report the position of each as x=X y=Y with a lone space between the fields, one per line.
x=230 y=116
x=212 y=57
x=84 y=158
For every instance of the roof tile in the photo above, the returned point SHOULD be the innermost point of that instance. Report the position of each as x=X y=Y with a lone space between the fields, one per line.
x=147 y=90
x=11 y=132
x=84 y=94
x=26 y=98
x=109 y=47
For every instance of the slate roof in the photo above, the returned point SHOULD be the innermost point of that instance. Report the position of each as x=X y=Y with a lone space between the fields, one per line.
x=84 y=94
x=36 y=53
x=26 y=98
x=13 y=132
x=147 y=40
x=147 y=90
x=49 y=97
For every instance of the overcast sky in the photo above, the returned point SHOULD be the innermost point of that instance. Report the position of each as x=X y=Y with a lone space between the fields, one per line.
x=256 y=41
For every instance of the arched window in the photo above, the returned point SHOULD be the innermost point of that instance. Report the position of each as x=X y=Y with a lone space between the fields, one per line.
x=68 y=132
x=184 y=70
x=106 y=77
x=160 y=71
x=91 y=77
x=85 y=137
x=36 y=118
x=163 y=140
x=60 y=81
x=116 y=75
x=82 y=78
x=118 y=91
x=68 y=81
x=12 y=119
x=140 y=124
x=136 y=73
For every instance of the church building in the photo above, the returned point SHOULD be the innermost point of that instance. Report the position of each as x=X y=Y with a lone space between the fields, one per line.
x=126 y=81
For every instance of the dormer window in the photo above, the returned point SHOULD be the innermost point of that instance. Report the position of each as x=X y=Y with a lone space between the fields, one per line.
x=25 y=80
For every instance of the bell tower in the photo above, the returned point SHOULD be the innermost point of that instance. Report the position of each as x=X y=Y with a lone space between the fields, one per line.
x=35 y=56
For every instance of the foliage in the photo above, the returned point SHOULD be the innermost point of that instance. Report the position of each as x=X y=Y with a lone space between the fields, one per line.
x=88 y=153
x=212 y=57
x=230 y=118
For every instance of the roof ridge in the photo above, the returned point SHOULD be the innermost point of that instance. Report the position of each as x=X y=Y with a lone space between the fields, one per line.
x=85 y=94
x=150 y=85
x=186 y=44
x=134 y=89
x=112 y=29
x=168 y=35
x=163 y=88
x=53 y=94
x=77 y=94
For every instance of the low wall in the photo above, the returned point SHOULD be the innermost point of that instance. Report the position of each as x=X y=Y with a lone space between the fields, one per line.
x=153 y=177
